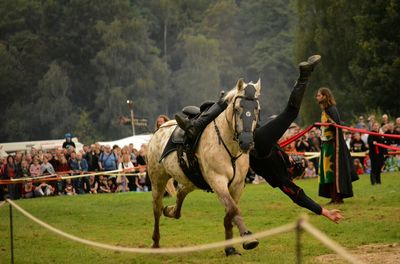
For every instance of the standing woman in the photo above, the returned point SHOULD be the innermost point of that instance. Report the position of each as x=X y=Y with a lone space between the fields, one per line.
x=336 y=167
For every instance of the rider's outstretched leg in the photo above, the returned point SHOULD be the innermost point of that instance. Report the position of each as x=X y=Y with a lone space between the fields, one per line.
x=268 y=135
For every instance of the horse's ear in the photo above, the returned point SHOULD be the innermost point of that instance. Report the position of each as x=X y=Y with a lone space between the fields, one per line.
x=240 y=84
x=258 y=87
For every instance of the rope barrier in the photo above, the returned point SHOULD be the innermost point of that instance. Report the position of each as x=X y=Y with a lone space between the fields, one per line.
x=188 y=249
x=2 y=203
x=363 y=131
x=58 y=177
x=274 y=231
x=329 y=242
x=387 y=146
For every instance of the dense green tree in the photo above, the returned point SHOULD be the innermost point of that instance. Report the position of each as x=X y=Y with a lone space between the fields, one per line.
x=84 y=129
x=56 y=112
x=128 y=68
x=360 y=56
x=199 y=76
x=376 y=64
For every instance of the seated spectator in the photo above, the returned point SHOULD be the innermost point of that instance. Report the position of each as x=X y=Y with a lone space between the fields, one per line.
x=391 y=164
x=103 y=185
x=69 y=188
x=140 y=182
x=28 y=189
x=112 y=184
x=43 y=189
x=93 y=185
x=367 y=164
x=310 y=171
x=358 y=166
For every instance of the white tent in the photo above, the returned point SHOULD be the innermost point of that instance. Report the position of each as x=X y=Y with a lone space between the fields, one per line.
x=38 y=144
x=137 y=141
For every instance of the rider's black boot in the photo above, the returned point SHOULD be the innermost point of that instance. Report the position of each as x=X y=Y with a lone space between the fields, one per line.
x=305 y=68
x=194 y=127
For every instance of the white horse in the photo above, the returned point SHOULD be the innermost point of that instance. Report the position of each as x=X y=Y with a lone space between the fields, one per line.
x=229 y=137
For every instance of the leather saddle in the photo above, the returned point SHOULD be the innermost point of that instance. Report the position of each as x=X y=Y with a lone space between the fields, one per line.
x=179 y=142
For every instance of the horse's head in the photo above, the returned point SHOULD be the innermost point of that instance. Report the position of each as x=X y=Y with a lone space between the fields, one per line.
x=245 y=111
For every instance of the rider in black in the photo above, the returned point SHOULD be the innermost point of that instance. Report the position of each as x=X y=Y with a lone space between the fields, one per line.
x=267 y=159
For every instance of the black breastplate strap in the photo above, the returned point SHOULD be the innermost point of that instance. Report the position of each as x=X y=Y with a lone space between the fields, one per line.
x=233 y=158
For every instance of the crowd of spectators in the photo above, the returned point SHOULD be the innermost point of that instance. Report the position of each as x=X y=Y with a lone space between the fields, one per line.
x=39 y=165
x=67 y=161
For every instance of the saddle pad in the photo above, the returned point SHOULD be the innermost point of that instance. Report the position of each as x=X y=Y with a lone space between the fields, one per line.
x=176 y=143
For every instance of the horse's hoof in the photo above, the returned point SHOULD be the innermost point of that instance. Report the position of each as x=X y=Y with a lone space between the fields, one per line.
x=155 y=246
x=167 y=211
x=231 y=251
x=250 y=244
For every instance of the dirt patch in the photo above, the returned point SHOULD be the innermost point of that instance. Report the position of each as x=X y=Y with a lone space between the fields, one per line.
x=371 y=254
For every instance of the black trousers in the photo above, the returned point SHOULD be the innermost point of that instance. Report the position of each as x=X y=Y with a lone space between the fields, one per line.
x=267 y=136
x=376 y=169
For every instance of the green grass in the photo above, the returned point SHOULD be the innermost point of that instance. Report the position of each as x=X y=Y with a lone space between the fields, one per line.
x=372 y=216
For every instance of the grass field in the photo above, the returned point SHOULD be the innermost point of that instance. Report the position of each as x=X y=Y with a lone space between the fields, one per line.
x=371 y=217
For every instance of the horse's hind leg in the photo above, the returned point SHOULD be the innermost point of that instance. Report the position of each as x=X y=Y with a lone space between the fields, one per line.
x=158 y=189
x=174 y=211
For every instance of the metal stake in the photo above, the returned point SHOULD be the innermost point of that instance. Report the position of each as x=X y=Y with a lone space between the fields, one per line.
x=298 y=241
x=11 y=235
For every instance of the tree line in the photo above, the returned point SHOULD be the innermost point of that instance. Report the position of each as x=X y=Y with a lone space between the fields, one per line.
x=70 y=65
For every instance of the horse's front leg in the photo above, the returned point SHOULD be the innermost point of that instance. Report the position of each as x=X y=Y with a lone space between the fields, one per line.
x=236 y=191
x=231 y=210
x=174 y=211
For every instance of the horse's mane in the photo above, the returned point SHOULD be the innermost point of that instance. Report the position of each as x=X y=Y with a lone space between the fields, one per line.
x=231 y=94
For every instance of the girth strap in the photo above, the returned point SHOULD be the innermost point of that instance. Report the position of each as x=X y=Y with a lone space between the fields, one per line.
x=233 y=158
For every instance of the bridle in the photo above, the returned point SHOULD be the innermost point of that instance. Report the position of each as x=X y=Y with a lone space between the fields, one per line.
x=250 y=112
x=250 y=105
